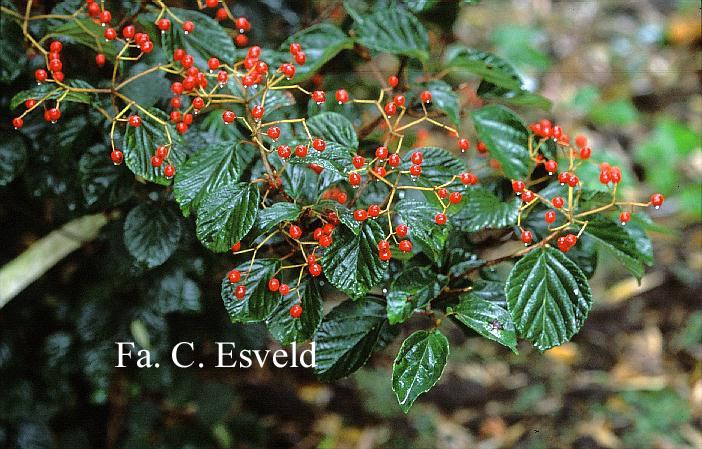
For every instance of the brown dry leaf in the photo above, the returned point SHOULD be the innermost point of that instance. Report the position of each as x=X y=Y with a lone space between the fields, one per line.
x=629 y=288
x=684 y=30
x=599 y=430
x=567 y=353
x=641 y=365
x=492 y=426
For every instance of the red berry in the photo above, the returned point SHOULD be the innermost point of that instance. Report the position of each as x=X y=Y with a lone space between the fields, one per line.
x=481 y=147
x=526 y=237
x=468 y=178
x=58 y=76
x=360 y=215
x=390 y=109
x=187 y=61
x=385 y=255
x=240 y=292
x=254 y=52
x=128 y=32
x=288 y=70
x=319 y=96
x=373 y=210
x=528 y=196
x=440 y=219
x=380 y=171
x=182 y=128
x=383 y=245
x=188 y=27
x=551 y=167
x=319 y=144
x=135 y=121
x=463 y=144
x=175 y=102
x=295 y=231
x=562 y=245
x=300 y=58
x=56 y=46
x=295 y=48
x=417 y=157
x=30 y=103
x=550 y=216
x=105 y=17
x=234 y=276
x=557 y=202
x=581 y=141
x=301 y=150
x=162 y=151
x=315 y=269
x=100 y=59
x=156 y=161
x=573 y=180
x=358 y=161
x=399 y=100
x=455 y=197
x=657 y=200
x=342 y=96
x=273 y=132
x=325 y=241
x=117 y=156
x=571 y=240
x=341 y=198
x=615 y=175
x=198 y=103
x=163 y=24
x=55 y=65
x=625 y=217
x=296 y=311
x=401 y=230
x=405 y=246
x=221 y=15
x=53 y=114
x=284 y=289
x=242 y=24
x=425 y=96
x=213 y=63
x=354 y=179
x=381 y=152
x=236 y=247
x=394 y=160
x=585 y=153
x=442 y=192
x=17 y=122
x=178 y=54
x=284 y=151
x=393 y=81
x=212 y=3
x=228 y=117
x=241 y=40
x=169 y=171
x=257 y=112
x=273 y=284
x=415 y=170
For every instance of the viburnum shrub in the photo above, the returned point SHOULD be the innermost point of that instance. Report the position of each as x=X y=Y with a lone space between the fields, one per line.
x=321 y=190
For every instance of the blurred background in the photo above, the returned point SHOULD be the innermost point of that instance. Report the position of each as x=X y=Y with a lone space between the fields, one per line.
x=627 y=73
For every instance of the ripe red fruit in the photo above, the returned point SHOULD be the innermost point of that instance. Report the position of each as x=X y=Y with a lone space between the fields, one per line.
x=100 y=59
x=163 y=24
x=526 y=237
x=581 y=141
x=254 y=52
x=55 y=65
x=135 y=121
x=319 y=144
x=261 y=67
x=417 y=157
x=399 y=100
x=469 y=178
x=463 y=144
x=341 y=198
x=300 y=58
x=257 y=112
x=182 y=128
x=240 y=291
x=405 y=246
x=17 y=122
x=169 y=171
x=187 y=61
x=295 y=48
x=415 y=170
x=241 y=40
x=288 y=70
x=481 y=147
x=373 y=210
x=557 y=202
x=657 y=200
x=296 y=311
x=228 y=117
x=176 y=102
x=573 y=180
x=128 y=32
x=442 y=192
x=385 y=255
x=212 y=3
x=56 y=46
x=393 y=81
x=273 y=132
x=93 y=9
x=156 y=161
x=358 y=161
x=455 y=197
x=360 y=215
x=236 y=247
x=354 y=179
x=571 y=240
x=585 y=153
x=284 y=151
x=625 y=217
x=187 y=119
x=342 y=96
x=301 y=150
x=162 y=151
x=198 y=103
x=390 y=109
x=394 y=160
x=213 y=63
x=188 y=27
x=550 y=216
x=325 y=241
x=528 y=196
x=30 y=103
x=615 y=175
x=425 y=96
x=273 y=284
x=319 y=96
x=105 y=17
x=551 y=167
x=315 y=269
x=178 y=54
x=242 y=24
x=234 y=276
x=440 y=219
x=381 y=152
x=53 y=114
x=117 y=156
x=284 y=289
x=383 y=245
x=295 y=231
x=401 y=230
x=380 y=171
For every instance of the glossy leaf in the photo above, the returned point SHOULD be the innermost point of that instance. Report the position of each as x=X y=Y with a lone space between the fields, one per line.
x=206 y=171
x=51 y=92
x=443 y=98
x=393 y=31
x=13 y=156
x=286 y=329
x=226 y=215
x=613 y=238
x=259 y=302
x=548 y=297
x=487 y=319
x=506 y=138
x=419 y=217
x=347 y=336
x=439 y=166
x=334 y=158
x=333 y=127
x=274 y=215
x=418 y=366
x=320 y=42
x=486 y=65
x=104 y=184
x=352 y=263
x=412 y=289
x=480 y=209
x=151 y=233
x=88 y=33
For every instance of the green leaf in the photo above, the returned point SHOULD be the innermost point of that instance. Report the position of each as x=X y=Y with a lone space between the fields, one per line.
x=548 y=297
x=13 y=157
x=259 y=302
x=13 y=58
x=418 y=366
x=320 y=43
x=333 y=127
x=585 y=256
x=335 y=158
x=487 y=319
x=274 y=215
x=347 y=336
x=140 y=144
x=439 y=166
x=394 y=31
x=88 y=33
x=614 y=239
x=226 y=215
x=51 y=92
x=420 y=5
x=352 y=263
x=411 y=290
x=488 y=66
x=207 y=40
x=104 y=184
x=175 y=292
x=506 y=137
x=151 y=233
x=443 y=98
x=146 y=90
x=514 y=97
x=419 y=217
x=480 y=209
x=206 y=171
x=287 y=329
